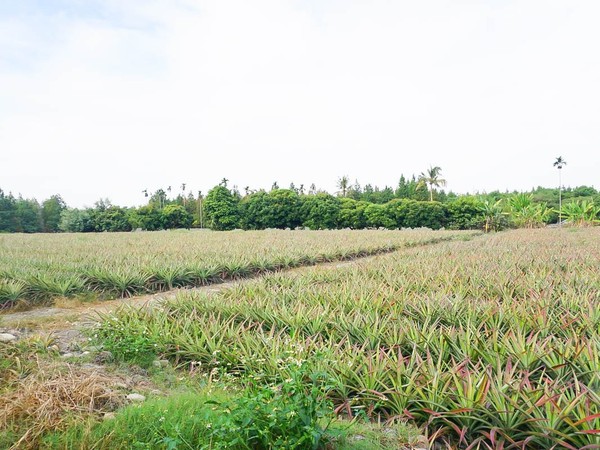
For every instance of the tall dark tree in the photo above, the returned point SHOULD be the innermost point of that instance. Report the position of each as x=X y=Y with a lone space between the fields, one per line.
x=254 y=210
x=221 y=209
x=28 y=216
x=51 y=212
x=7 y=212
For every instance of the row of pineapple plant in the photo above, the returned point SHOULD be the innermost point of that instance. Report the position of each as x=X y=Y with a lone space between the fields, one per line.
x=29 y=275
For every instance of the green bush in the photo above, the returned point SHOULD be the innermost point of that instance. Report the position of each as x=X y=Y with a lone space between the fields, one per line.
x=176 y=216
x=254 y=209
x=320 y=211
x=465 y=213
x=288 y=415
x=127 y=338
x=147 y=217
x=416 y=214
x=379 y=216
x=352 y=214
x=222 y=209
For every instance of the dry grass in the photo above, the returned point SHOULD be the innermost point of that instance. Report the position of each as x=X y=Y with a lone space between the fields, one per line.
x=53 y=396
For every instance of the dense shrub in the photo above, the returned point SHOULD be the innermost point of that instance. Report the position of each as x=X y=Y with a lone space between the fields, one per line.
x=176 y=216
x=253 y=211
x=352 y=214
x=221 y=209
x=147 y=217
x=284 y=209
x=379 y=216
x=113 y=218
x=320 y=211
x=465 y=213
x=416 y=214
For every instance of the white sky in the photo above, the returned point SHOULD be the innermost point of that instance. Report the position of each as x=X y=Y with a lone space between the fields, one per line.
x=106 y=98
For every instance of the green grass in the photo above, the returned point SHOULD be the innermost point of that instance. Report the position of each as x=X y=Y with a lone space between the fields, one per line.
x=187 y=421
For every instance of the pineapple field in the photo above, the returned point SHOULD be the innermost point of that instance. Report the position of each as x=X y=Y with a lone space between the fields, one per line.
x=39 y=267
x=475 y=341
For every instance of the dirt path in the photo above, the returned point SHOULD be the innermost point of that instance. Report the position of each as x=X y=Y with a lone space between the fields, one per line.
x=65 y=321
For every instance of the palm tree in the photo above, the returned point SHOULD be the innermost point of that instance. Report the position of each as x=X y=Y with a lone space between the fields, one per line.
x=343 y=183
x=183 y=192
x=430 y=179
x=559 y=164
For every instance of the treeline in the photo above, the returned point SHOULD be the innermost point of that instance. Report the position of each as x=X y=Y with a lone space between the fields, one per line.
x=356 y=207
x=22 y=215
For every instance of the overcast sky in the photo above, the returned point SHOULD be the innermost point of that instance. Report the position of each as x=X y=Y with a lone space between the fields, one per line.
x=104 y=98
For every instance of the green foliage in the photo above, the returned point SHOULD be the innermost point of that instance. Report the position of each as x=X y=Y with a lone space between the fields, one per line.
x=425 y=214
x=28 y=216
x=19 y=215
x=375 y=195
x=158 y=200
x=524 y=213
x=279 y=208
x=51 y=213
x=494 y=217
x=378 y=216
x=117 y=281
x=283 y=210
x=320 y=211
x=465 y=213
x=222 y=209
x=11 y=292
x=581 y=213
x=109 y=218
x=288 y=208
x=147 y=217
x=176 y=216
x=189 y=420
x=254 y=209
x=7 y=216
x=414 y=214
x=127 y=339
x=73 y=220
x=352 y=214
x=286 y=415
x=177 y=422
x=430 y=179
